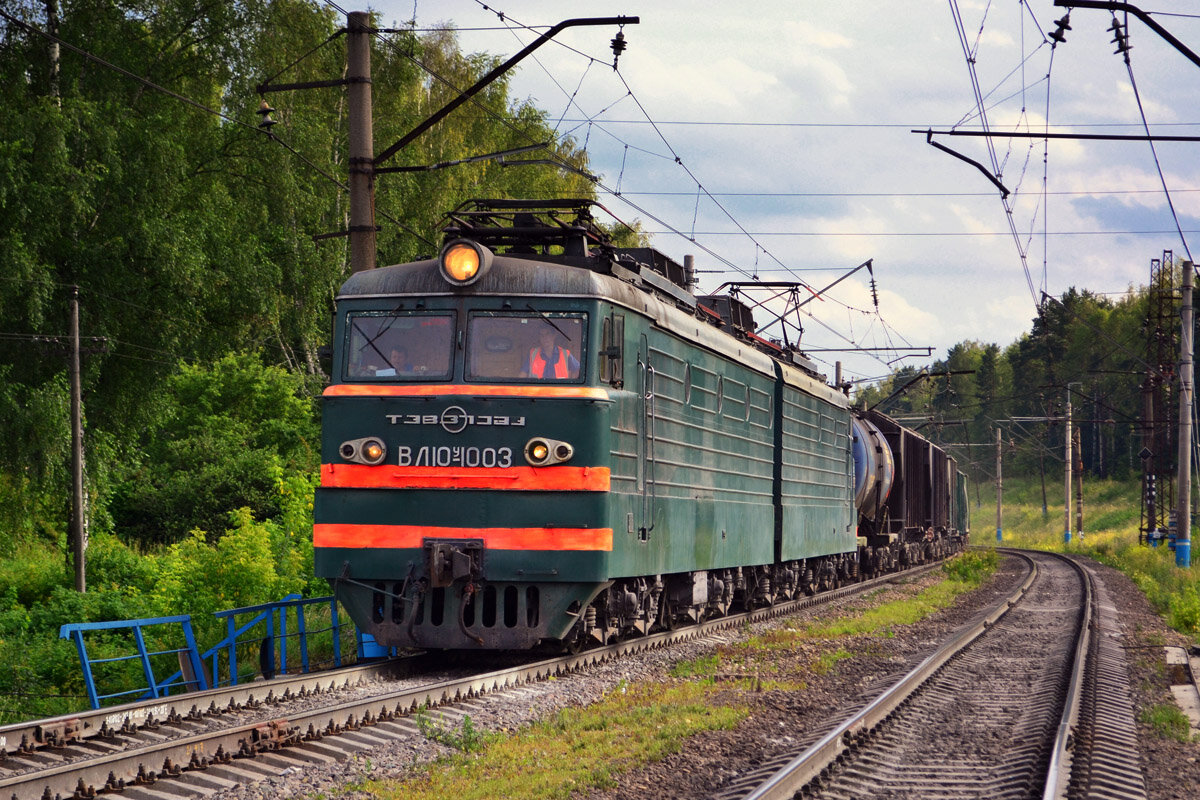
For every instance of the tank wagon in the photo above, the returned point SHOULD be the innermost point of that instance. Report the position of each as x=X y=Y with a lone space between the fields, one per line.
x=539 y=438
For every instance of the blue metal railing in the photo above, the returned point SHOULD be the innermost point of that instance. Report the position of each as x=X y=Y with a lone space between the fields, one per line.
x=153 y=687
x=269 y=624
x=273 y=617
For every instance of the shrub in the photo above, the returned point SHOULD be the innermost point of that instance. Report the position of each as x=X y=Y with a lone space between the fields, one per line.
x=1184 y=615
x=231 y=433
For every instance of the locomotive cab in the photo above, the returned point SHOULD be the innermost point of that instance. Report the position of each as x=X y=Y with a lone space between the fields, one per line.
x=465 y=455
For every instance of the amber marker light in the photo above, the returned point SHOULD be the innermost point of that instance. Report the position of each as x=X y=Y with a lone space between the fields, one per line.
x=463 y=262
x=541 y=452
x=537 y=452
x=373 y=451
x=370 y=451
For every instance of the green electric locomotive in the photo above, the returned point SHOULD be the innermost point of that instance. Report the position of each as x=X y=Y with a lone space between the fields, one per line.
x=537 y=437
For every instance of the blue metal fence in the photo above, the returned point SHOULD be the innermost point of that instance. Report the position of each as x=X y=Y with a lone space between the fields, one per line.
x=271 y=625
x=153 y=687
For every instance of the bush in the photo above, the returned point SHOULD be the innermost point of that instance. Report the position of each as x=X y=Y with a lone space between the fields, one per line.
x=1184 y=614
x=230 y=435
x=971 y=566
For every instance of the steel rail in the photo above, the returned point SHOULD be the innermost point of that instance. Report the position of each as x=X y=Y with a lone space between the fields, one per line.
x=1058 y=773
x=197 y=750
x=26 y=737
x=790 y=779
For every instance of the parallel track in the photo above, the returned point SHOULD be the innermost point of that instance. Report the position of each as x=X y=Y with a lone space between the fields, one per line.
x=196 y=743
x=1027 y=700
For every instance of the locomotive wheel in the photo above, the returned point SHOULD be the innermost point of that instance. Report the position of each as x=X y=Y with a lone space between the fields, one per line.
x=573 y=642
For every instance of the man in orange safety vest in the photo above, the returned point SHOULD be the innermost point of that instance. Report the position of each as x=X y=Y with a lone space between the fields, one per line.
x=550 y=361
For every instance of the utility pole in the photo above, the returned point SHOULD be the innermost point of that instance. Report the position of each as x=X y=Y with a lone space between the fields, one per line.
x=1078 y=485
x=1183 y=514
x=78 y=531
x=999 y=484
x=362 y=142
x=1067 y=470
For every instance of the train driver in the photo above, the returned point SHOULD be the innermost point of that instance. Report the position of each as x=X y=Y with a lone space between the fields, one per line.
x=550 y=360
x=398 y=364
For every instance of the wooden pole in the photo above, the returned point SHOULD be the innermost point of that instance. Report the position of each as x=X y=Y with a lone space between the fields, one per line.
x=78 y=531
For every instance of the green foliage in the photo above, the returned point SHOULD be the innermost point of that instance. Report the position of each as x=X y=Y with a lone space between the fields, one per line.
x=465 y=738
x=1168 y=722
x=972 y=566
x=231 y=434
x=703 y=666
x=32 y=573
x=237 y=570
x=1184 y=613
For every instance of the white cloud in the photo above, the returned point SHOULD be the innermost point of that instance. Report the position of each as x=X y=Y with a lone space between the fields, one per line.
x=873 y=75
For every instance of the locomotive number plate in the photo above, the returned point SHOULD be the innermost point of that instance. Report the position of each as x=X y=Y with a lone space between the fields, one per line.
x=428 y=456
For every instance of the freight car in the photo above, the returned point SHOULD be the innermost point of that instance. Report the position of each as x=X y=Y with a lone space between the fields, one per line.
x=538 y=437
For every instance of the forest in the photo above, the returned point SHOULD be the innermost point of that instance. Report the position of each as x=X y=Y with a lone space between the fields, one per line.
x=1107 y=349
x=133 y=167
x=133 y=170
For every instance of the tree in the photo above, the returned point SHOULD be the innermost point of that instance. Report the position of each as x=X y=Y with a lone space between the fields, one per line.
x=190 y=234
x=232 y=434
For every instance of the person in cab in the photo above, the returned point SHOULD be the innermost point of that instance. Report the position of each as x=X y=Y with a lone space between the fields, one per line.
x=549 y=360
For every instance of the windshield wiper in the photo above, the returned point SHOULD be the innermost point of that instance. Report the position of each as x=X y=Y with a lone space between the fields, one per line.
x=549 y=322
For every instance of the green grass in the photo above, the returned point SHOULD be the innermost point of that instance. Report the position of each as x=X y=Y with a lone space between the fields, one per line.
x=577 y=750
x=1168 y=722
x=1111 y=517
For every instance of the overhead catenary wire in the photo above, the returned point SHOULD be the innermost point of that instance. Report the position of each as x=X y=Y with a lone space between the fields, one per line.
x=1123 y=49
x=674 y=156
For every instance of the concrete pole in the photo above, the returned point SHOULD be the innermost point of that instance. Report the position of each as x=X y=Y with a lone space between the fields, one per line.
x=1067 y=469
x=1078 y=445
x=78 y=533
x=1183 y=514
x=362 y=142
x=999 y=484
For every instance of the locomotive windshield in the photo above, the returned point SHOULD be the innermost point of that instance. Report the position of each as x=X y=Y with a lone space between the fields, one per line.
x=533 y=346
x=400 y=346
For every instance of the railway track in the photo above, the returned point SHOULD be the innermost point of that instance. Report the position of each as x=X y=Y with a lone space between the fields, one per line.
x=1028 y=700
x=199 y=743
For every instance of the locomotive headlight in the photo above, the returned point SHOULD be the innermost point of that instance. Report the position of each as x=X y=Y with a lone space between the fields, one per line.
x=370 y=451
x=373 y=451
x=463 y=262
x=543 y=452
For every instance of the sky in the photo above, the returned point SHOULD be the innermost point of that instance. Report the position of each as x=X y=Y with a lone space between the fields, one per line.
x=775 y=140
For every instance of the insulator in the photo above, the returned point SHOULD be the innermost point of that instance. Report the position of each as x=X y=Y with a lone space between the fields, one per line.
x=618 y=46
x=1120 y=38
x=1063 y=25
x=874 y=294
x=265 y=111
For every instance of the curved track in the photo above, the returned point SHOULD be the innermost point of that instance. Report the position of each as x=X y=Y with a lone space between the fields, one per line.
x=1027 y=700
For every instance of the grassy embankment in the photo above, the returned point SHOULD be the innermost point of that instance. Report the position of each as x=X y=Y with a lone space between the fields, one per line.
x=1111 y=517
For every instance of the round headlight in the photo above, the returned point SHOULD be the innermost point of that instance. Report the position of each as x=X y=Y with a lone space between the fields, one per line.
x=537 y=451
x=369 y=450
x=463 y=262
x=373 y=451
